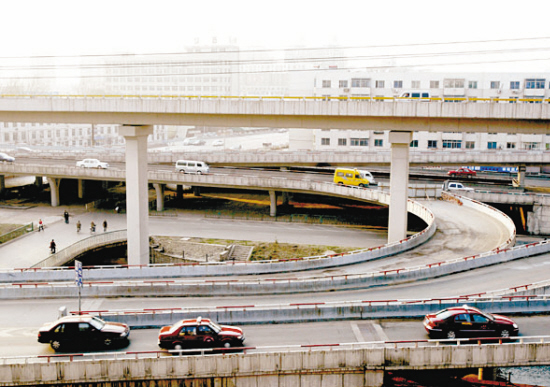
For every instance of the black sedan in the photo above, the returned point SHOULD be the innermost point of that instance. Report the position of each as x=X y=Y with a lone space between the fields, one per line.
x=83 y=331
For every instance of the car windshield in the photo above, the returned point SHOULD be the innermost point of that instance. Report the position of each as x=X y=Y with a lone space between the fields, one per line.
x=444 y=314
x=215 y=327
x=97 y=323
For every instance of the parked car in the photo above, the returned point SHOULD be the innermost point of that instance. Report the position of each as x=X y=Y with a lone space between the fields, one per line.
x=199 y=333
x=467 y=321
x=92 y=163
x=4 y=157
x=462 y=172
x=83 y=331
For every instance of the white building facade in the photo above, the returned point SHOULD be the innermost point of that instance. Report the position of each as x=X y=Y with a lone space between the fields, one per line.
x=444 y=87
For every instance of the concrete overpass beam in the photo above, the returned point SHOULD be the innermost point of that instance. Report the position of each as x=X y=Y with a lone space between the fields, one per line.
x=54 y=190
x=272 y=203
x=399 y=182
x=159 y=189
x=137 y=212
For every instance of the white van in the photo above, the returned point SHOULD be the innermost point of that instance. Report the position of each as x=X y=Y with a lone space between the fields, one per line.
x=192 y=166
x=367 y=175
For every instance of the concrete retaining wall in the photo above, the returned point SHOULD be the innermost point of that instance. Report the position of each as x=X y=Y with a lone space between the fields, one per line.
x=338 y=367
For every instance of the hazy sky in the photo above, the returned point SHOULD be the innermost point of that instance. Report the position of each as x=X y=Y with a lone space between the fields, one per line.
x=67 y=27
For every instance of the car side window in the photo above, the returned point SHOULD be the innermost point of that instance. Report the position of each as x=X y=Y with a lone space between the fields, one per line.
x=204 y=330
x=479 y=318
x=462 y=318
x=60 y=328
x=83 y=327
x=188 y=331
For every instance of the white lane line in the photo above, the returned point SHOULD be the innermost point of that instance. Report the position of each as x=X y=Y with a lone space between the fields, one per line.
x=357 y=332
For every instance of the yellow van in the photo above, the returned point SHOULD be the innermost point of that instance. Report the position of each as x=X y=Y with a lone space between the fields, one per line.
x=348 y=176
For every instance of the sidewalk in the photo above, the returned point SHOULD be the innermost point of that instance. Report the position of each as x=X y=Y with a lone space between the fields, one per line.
x=29 y=249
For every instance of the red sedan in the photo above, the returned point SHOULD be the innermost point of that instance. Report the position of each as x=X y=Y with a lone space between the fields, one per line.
x=462 y=172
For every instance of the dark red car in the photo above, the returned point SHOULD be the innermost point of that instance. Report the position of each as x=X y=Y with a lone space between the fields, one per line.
x=462 y=172
x=199 y=333
x=466 y=321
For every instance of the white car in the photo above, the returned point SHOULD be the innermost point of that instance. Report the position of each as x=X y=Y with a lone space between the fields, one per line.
x=92 y=163
x=453 y=186
x=218 y=143
x=6 y=158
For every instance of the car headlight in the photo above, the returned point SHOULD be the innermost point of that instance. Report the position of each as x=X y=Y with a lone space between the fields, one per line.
x=515 y=326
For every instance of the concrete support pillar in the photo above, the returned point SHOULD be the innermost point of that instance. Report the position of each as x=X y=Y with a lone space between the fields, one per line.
x=197 y=191
x=38 y=181
x=399 y=183
x=179 y=192
x=81 y=186
x=286 y=198
x=521 y=175
x=54 y=190
x=159 y=189
x=272 y=203
x=137 y=211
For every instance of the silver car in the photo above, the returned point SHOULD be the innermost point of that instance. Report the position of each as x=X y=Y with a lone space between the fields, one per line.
x=6 y=158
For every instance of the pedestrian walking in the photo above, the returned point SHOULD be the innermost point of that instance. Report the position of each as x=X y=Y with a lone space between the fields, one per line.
x=40 y=225
x=92 y=226
x=52 y=246
x=66 y=216
x=105 y=225
x=78 y=226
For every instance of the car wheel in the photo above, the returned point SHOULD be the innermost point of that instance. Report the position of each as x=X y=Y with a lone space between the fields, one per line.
x=505 y=333
x=340 y=183
x=108 y=342
x=362 y=185
x=56 y=345
x=227 y=344
x=469 y=176
x=199 y=173
x=451 y=335
x=453 y=175
x=178 y=347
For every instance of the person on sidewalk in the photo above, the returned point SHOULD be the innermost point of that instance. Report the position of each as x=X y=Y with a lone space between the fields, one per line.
x=66 y=216
x=92 y=226
x=78 y=226
x=105 y=225
x=40 y=225
x=52 y=246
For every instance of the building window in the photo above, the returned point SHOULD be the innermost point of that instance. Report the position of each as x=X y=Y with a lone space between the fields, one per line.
x=452 y=144
x=342 y=141
x=415 y=84
x=397 y=84
x=492 y=145
x=359 y=141
x=434 y=84
x=535 y=83
x=432 y=144
x=414 y=144
x=470 y=145
x=360 y=82
x=514 y=85
x=472 y=85
x=343 y=83
x=495 y=85
x=326 y=83
x=510 y=145
x=379 y=142
x=380 y=84
x=453 y=83
x=325 y=141
x=530 y=145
